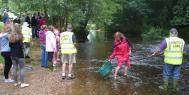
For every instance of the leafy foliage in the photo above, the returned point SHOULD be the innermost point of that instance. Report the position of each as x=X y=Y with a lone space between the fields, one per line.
x=154 y=33
x=128 y=16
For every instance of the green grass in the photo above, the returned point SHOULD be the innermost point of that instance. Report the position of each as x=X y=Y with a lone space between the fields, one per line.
x=1 y=25
x=1 y=59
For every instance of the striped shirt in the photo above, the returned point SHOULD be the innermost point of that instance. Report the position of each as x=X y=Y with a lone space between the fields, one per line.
x=4 y=42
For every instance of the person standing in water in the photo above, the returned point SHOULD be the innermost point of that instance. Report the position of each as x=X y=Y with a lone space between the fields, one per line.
x=173 y=48
x=121 y=52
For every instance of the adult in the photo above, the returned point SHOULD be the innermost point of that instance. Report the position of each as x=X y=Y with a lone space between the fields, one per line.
x=42 y=20
x=17 y=54
x=68 y=51
x=6 y=18
x=34 y=25
x=27 y=19
x=27 y=38
x=16 y=20
x=42 y=40
x=173 y=48
x=5 y=52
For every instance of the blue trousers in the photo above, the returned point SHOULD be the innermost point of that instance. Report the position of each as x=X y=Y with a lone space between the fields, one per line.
x=44 y=56
x=34 y=32
x=171 y=71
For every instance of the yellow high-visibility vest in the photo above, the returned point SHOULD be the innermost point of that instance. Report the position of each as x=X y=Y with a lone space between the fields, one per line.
x=66 y=43
x=174 y=51
x=26 y=32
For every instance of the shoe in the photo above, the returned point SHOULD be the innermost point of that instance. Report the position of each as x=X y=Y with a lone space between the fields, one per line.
x=70 y=77
x=8 y=80
x=63 y=77
x=54 y=67
x=16 y=84
x=24 y=85
x=125 y=75
x=27 y=56
x=115 y=78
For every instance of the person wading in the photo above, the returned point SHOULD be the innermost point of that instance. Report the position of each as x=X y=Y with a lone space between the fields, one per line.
x=121 y=53
x=173 y=48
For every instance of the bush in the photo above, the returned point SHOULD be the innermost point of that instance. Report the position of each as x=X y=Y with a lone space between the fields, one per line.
x=154 y=33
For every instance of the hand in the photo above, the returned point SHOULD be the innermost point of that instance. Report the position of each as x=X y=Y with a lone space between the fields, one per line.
x=130 y=52
x=154 y=54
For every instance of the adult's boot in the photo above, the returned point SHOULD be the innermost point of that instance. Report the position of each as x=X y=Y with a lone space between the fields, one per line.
x=165 y=85
x=175 y=83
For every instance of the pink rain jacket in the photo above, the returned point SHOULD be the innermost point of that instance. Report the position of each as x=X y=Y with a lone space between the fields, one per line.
x=121 y=52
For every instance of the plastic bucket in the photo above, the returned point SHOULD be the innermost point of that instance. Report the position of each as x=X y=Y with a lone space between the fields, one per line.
x=105 y=69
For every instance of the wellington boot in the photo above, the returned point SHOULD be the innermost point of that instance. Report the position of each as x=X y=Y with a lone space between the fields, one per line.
x=165 y=85
x=175 y=83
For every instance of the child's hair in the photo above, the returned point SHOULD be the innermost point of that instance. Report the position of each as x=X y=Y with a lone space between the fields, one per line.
x=15 y=34
x=119 y=35
x=43 y=27
x=50 y=28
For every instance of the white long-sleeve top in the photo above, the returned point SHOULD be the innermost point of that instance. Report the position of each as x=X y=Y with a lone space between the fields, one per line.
x=50 y=41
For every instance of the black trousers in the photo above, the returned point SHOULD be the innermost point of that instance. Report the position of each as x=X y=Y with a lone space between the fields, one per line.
x=8 y=63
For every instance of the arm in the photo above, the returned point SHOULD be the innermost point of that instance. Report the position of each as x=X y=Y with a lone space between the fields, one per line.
x=74 y=40
x=162 y=46
x=53 y=42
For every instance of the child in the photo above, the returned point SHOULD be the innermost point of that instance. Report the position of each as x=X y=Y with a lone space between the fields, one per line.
x=68 y=50
x=50 y=44
x=56 y=54
x=17 y=54
x=121 y=52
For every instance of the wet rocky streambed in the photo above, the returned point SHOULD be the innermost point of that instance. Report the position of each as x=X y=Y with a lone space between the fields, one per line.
x=143 y=78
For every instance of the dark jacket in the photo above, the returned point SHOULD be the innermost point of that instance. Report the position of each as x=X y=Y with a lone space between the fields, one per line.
x=17 y=49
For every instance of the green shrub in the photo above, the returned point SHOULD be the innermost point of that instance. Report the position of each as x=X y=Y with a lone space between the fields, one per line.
x=154 y=33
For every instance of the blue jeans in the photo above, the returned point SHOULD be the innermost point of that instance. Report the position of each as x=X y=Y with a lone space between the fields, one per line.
x=172 y=71
x=18 y=63
x=44 y=56
x=34 y=29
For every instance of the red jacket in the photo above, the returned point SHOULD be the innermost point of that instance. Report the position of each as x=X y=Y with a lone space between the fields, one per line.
x=121 y=51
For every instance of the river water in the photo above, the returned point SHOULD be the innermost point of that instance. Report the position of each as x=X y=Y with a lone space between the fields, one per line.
x=144 y=76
